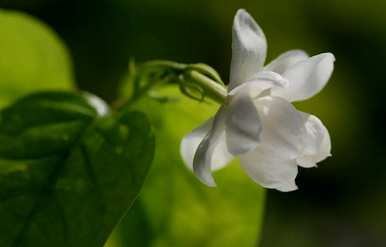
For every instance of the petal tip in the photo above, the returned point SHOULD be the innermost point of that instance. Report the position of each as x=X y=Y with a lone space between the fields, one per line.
x=331 y=56
x=212 y=185
x=240 y=12
x=289 y=188
x=327 y=58
x=203 y=173
x=207 y=180
x=243 y=21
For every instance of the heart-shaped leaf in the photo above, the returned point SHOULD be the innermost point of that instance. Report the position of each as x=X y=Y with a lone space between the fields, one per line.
x=67 y=174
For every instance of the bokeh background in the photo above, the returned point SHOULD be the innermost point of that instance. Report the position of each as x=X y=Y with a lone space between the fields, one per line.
x=341 y=203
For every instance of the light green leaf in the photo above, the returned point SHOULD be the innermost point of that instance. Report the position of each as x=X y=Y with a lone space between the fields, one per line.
x=67 y=175
x=179 y=209
x=32 y=57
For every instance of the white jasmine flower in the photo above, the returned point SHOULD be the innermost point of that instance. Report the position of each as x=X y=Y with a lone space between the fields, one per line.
x=257 y=123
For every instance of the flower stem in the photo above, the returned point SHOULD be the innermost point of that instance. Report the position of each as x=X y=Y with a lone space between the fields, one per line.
x=187 y=76
x=214 y=90
x=165 y=64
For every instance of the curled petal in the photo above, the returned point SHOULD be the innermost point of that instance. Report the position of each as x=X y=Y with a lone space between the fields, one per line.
x=212 y=151
x=283 y=125
x=260 y=82
x=288 y=138
x=249 y=47
x=242 y=124
x=317 y=142
x=273 y=163
x=272 y=79
x=307 y=77
x=270 y=169
x=286 y=60
x=191 y=141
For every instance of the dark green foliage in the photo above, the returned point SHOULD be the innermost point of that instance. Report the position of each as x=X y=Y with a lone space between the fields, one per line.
x=67 y=175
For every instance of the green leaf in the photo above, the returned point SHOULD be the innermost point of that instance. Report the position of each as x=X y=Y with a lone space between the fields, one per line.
x=68 y=175
x=32 y=57
x=178 y=209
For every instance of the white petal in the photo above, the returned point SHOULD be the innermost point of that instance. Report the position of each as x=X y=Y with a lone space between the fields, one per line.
x=273 y=162
x=288 y=138
x=249 y=48
x=307 y=77
x=267 y=167
x=190 y=142
x=242 y=124
x=212 y=152
x=286 y=60
x=317 y=142
x=274 y=78
x=283 y=125
x=260 y=82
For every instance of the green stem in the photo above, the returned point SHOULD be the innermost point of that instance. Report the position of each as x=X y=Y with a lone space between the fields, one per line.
x=165 y=63
x=194 y=74
x=216 y=91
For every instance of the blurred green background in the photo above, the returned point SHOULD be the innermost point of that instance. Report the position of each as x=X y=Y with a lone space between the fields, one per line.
x=341 y=203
